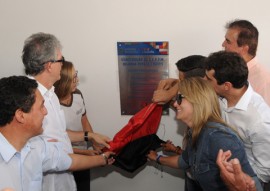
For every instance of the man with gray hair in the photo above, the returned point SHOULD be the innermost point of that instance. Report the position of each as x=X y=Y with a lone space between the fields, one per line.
x=42 y=58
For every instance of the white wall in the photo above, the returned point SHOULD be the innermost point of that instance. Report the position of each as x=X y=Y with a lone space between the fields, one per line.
x=89 y=30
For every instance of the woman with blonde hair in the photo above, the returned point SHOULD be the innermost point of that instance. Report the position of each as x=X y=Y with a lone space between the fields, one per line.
x=197 y=106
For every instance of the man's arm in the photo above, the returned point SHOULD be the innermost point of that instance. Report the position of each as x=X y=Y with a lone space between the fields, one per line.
x=171 y=161
x=85 y=151
x=86 y=124
x=166 y=90
x=82 y=162
x=76 y=136
x=88 y=127
x=166 y=84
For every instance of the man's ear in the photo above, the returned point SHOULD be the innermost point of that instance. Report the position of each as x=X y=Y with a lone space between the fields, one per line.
x=244 y=50
x=227 y=86
x=48 y=66
x=19 y=116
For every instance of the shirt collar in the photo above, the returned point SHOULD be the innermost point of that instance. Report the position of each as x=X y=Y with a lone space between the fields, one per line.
x=43 y=90
x=7 y=151
x=242 y=104
x=253 y=62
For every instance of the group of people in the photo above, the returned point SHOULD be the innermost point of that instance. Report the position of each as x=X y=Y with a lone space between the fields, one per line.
x=232 y=139
x=223 y=100
x=29 y=107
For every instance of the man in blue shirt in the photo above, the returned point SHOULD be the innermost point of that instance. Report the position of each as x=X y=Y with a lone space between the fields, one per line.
x=24 y=156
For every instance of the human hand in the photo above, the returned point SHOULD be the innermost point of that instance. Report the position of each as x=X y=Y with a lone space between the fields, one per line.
x=152 y=155
x=166 y=90
x=162 y=96
x=99 y=139
x=167 y=83
x=108 y=157
x=232 y=174
x=97 y=147
x=242 y=178
x=168 y=146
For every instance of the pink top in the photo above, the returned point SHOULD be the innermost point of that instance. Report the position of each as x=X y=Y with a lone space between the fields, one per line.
x=259 y=78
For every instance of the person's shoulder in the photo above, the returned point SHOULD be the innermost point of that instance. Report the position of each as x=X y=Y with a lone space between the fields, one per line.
x=77 y=91
x=258 y=103
x=215 y=129
x=262 y=66
x=214 y=126
x=42 y=141
x=37 y=140
x=222 y=136
x=256 y=66
x=45 y=145
x=38 y=143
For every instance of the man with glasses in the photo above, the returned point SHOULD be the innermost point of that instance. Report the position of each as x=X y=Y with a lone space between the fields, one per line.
x=42 y=58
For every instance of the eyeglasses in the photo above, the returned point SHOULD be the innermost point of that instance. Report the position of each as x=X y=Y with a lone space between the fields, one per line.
x=62 y=60
x=75 y=77
x=179 y=98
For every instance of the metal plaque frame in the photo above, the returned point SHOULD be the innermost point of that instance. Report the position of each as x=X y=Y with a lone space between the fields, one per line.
x=141 y=66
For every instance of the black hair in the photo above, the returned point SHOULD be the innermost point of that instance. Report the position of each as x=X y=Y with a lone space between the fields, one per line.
x=228 y=67
x=16 y=92
x=192 y=66
x=248 y=34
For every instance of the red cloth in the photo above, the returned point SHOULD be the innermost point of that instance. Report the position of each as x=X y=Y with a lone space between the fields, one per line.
x=143 y=123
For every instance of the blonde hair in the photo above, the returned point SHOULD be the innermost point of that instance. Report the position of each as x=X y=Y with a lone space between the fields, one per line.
x=205 y=104
x=63 y=86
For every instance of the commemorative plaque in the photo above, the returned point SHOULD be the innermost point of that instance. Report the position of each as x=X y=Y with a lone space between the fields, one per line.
x=141 y=66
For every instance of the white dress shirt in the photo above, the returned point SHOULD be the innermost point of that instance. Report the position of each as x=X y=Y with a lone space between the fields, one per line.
x=251 y=118
x=54 y=126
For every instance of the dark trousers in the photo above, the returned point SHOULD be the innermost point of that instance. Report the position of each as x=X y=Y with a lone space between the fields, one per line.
x=82 y=179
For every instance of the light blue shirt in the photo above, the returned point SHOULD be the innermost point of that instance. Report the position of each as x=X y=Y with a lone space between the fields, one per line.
x=23 y=171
